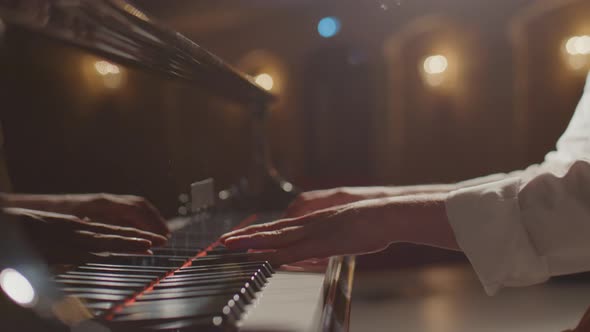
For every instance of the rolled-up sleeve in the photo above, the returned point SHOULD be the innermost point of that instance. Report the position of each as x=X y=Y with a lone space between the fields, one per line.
x=521 y=228
x=518 y=233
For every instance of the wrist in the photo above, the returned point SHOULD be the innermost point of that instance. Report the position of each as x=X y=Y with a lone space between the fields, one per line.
x=420 y=219
x=33 y=202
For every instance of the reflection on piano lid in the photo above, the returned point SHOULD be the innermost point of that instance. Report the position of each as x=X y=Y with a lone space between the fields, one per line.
x=121 y=32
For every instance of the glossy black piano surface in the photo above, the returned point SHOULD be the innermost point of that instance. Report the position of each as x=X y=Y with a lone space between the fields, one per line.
x=175 y=114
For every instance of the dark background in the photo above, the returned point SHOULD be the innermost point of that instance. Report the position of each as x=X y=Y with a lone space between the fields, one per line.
x=353 y=108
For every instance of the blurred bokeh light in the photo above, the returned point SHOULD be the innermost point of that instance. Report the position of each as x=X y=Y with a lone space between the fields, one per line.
x=434 y=69
x=111 y=74
x=577 y=52
x=17 y=287
x=329 y=27
x=265 y=81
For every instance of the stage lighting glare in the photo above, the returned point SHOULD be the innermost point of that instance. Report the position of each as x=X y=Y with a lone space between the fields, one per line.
x=265 y=81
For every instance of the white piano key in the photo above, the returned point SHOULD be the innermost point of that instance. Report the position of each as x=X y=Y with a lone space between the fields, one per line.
x=291 y=301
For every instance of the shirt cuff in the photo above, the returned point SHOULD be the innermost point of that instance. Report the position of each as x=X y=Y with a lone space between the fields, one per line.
x=488 y=228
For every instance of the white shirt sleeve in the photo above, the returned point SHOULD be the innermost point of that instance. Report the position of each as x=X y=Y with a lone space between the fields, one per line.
x=522 y=228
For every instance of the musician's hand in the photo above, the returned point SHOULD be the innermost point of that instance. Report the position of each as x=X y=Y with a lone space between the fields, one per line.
x=316 y=200
x=356 y=228
x=119 y=210
x=61 y=237
x=336 y=231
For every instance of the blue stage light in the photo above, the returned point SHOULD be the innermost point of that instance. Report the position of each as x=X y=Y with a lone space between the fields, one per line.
x=329 y=27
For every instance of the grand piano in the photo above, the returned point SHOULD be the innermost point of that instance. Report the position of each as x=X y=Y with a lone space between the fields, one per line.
x=97 y=96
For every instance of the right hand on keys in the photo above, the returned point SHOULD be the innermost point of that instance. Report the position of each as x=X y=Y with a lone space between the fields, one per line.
x=64 y=238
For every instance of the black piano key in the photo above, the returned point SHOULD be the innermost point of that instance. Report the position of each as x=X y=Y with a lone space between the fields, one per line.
x=119 y=269
x=200 y=293
x=176 y=252
x=113 y=285
x=255 y=284
x=182 y=273
x=91 y=297
x=238 y=287
x=73 y=290
x=197 y=276
x=230 y=258
x=139 y=267
x=264 y=266
x=107 y=275
x=103 y=278
x=254 y=279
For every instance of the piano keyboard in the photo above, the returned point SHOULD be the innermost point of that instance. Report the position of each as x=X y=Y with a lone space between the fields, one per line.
x=186 y=285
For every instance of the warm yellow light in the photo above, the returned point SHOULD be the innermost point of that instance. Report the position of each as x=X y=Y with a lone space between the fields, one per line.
x=436 y=64
x=105 y=68
x=578 y=45
x=111 y=74
x=17 y=287
x=265 y=81
x=576 y=53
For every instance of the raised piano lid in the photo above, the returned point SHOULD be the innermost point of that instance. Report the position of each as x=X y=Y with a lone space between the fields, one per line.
x=121 y=32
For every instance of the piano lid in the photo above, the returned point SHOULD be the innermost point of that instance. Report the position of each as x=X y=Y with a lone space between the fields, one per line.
x=121 y=32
